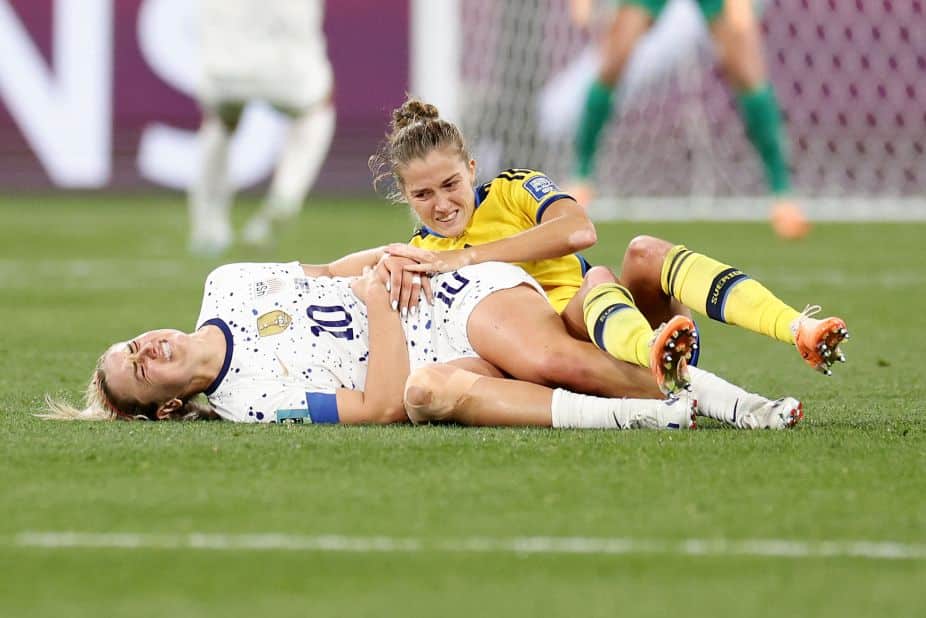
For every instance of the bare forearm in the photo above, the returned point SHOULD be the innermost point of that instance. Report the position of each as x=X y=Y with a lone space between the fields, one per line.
x=565 y=229
x=538 y=243
x=348 y=266
x=387 y=363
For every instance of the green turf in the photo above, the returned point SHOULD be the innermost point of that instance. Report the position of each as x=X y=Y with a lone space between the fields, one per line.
x=78 y=273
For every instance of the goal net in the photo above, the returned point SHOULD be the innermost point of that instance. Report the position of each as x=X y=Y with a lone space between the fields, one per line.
x=850 y=76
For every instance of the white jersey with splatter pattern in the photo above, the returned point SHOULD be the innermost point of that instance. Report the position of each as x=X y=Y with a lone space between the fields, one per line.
x=293 y=340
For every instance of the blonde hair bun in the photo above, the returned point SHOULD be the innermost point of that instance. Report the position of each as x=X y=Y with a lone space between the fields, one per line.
x=411 y=112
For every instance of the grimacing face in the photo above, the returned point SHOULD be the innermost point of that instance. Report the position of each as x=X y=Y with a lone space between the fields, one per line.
x=439 y=188
x=153 y=367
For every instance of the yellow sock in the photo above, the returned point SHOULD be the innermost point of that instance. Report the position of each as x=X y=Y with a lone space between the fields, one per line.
x=725 y=294
x=616 y=325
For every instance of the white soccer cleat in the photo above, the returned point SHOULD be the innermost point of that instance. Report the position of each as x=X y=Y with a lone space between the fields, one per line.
x=258 y=231
x=781 y=413
x=261 y=228
x=671 y=413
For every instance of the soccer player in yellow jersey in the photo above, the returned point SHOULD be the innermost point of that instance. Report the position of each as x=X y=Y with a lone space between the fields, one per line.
x=522 y=217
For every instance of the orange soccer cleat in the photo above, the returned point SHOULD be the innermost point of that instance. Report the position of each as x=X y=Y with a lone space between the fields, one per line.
x=818 y=340
x=671 y=349
x=789 y=221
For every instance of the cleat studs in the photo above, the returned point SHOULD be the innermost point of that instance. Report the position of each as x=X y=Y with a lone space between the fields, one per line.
x=671 y=345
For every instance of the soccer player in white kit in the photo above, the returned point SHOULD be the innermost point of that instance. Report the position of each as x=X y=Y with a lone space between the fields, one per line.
x=298 y=348
x=292 y=341
x=276 y=343
x=272 y=51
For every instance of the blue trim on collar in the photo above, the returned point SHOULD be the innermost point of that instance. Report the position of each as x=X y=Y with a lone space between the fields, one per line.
x=229 y=349
x=429 y=232
x=481 y=192
x=583 y=263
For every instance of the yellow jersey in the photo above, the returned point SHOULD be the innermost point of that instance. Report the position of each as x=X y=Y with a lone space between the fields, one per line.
x=513 y=202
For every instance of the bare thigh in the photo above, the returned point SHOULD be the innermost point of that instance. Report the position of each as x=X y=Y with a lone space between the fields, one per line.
x=629 y=24
x=739 y=45
x=518 y=331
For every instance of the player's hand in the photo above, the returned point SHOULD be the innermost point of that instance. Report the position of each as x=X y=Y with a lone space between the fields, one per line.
x=404 y=287
x=368 y=286
x=416 y=254
x=443 y=262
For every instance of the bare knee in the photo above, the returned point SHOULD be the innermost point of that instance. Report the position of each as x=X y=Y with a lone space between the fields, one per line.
x=433 y=393
x=643 y=258
x=597 y=275
x=740 y=51
x=574 y=313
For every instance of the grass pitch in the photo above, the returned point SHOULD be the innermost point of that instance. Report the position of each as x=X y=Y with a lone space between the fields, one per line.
x=443 y=521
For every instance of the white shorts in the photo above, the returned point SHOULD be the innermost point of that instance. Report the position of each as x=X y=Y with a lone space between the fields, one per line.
x=296 y=90
x=272 y=51
x=439 y=335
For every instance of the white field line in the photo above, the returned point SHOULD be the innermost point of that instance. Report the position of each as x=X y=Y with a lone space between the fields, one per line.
x=768 y=548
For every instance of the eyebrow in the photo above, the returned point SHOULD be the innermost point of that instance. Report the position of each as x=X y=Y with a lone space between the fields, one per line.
x=455 y=176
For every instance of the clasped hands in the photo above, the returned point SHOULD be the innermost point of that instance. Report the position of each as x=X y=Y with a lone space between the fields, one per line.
x=405 y=271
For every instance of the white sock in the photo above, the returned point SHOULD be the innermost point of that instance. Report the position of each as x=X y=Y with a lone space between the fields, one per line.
x=719 y=399
x=211 y=192
x=305 y=150
x=575 y=411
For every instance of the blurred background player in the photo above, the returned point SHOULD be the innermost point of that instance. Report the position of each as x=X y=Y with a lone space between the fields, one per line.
x=735 y=29
x=272 y=50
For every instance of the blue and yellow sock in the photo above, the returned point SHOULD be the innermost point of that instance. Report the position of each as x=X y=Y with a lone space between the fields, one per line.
x=725 y=294
x=616 y=325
